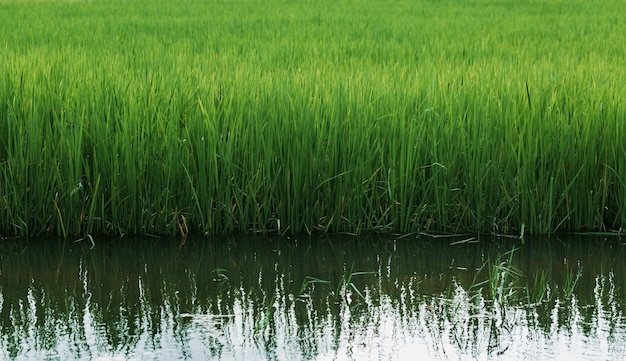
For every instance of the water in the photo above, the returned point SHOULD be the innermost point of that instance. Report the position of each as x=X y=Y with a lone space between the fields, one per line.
x=369 y=298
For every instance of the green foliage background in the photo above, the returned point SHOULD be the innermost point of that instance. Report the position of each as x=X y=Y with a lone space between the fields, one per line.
x=311 y=116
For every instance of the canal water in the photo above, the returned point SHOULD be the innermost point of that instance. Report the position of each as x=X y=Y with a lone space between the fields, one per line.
x=303 y=298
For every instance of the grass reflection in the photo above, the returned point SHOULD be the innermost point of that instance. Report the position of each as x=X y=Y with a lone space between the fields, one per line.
x=278 y=299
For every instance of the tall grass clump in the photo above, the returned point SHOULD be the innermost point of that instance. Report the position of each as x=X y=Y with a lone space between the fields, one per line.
x=171 y=117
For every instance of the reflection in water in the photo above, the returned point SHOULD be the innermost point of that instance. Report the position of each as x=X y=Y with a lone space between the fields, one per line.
x=339 y=299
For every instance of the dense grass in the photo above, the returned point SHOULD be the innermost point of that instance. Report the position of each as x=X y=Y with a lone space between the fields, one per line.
x=323 y=116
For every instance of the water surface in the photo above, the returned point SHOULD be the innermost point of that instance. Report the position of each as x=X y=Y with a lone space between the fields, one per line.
x=301 y=298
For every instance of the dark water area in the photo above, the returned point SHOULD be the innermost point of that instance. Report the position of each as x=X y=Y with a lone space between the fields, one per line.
x=301 y=298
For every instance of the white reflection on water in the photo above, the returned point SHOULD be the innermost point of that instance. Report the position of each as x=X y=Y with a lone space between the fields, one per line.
x=154 y=314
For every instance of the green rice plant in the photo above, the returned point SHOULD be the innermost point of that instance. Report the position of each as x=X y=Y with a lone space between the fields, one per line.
x=539 y=291
x=503 y=276
x=571 y=280
x=126 y=117
x=310 y=281
x=346 y=286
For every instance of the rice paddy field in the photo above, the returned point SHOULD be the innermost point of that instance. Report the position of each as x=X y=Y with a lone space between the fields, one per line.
x=172 y=117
